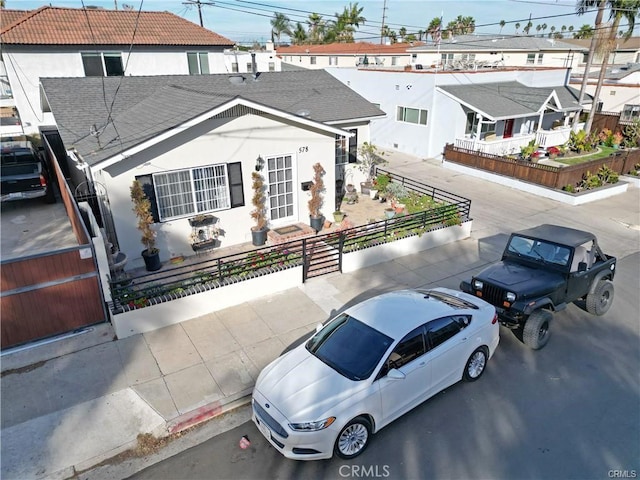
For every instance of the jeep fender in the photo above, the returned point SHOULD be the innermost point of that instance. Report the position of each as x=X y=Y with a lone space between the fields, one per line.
x=531 y=306
x=603 y=275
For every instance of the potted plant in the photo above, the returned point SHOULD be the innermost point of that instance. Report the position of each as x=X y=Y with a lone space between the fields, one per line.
x=259 y=230
x=142 y=209
x=338 y=216
x=316 y=219
x=396 y=191
x=370 y=158
x=381 y=183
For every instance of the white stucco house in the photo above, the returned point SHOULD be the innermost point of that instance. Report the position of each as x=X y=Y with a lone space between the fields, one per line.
x=493 y=111
x=96 y=42
x=346 y=55
x=194 y=141
x=620 y=91
x=476 y=51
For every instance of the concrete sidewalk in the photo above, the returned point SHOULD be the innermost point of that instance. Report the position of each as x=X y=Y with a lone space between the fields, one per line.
x=71 y=403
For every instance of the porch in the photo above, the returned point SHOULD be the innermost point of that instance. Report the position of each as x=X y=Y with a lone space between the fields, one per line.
x=493 y=145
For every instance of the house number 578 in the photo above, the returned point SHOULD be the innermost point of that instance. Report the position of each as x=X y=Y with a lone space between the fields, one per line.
x=303 y=149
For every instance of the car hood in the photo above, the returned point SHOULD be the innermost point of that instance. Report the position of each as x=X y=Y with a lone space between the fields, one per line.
x=515 y=277
x=302 y=387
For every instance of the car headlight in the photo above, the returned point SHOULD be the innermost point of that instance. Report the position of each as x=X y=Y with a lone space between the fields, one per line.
x=312 y=426
x=477 y=284
x=511 y=296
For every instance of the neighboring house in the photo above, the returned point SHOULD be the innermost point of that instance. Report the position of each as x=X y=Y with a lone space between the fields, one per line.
x=346 y=55
x=194 y=141
x=625 y=51
x=65 y=42
x=466 y=52
x=495 y=111
x=620 y=91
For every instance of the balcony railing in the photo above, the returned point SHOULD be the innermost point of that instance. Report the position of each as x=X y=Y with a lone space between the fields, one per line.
x=512 y=145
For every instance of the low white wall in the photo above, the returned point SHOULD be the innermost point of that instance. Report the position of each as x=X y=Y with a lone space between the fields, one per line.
x=175 y=311
x=631 y=179
x=383 y=253
x=564 y=197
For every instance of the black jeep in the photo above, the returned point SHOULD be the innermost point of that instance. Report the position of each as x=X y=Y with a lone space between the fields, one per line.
x=541 y=271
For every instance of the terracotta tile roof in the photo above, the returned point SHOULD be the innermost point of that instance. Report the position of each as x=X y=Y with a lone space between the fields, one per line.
x=356 y=48
x=70 y=26
x=7 y=17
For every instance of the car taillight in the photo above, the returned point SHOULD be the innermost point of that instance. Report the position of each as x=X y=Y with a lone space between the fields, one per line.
x=43 y=181
x=495 y=319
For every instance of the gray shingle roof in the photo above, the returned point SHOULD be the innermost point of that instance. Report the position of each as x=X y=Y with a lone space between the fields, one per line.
x=145 y=107
x=497 y=43
x=511 y=99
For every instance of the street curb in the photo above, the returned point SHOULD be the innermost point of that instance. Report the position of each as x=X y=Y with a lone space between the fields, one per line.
x=209 y=411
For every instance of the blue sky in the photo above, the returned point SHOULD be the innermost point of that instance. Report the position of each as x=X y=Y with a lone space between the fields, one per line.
x=246 y=21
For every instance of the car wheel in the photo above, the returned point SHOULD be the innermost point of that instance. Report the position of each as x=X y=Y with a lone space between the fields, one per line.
x=535 y=333
x=353 y=438
x=475 y=366
x=601 y=299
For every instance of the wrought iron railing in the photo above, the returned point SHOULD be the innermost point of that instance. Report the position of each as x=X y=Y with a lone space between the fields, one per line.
x=318 y=254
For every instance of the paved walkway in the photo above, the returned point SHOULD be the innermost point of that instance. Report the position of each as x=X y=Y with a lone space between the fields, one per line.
x=68 y=404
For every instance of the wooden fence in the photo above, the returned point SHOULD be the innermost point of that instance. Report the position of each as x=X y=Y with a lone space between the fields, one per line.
x=549 y=176
x=54 y=292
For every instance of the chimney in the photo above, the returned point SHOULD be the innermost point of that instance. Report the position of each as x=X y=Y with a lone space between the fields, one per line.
x=254 y=68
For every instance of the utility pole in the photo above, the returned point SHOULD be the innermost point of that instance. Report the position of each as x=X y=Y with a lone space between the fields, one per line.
x=384 y=12
x=199 y=4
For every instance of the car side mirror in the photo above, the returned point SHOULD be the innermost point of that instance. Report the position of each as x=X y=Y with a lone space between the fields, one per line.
x=396 y=374
x=582 y=267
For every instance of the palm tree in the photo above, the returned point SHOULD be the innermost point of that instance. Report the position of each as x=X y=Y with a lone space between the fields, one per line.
x=316 y=24
x=570 y=28
x=605 y=40
x=538 y=28
x=502 y=24
x=403 y=33
x=345 y=23
x=544 y=27
x=517 y=27
x=527 y=28
x=299 y=34
x=551 y=30
x=434 y=26
x=585 y=31
x=420 y=35
x=467 y=25
x=279 y=25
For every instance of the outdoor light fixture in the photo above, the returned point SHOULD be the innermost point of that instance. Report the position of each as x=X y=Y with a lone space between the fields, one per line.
x=259 y=163
x=306 y=186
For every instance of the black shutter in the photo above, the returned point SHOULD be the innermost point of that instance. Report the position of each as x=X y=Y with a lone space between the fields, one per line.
x=146 y=181
x=353 y=147
x=234 y=171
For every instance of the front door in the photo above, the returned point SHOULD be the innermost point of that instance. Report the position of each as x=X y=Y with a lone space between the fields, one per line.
x=508 y=128
x=280 y=188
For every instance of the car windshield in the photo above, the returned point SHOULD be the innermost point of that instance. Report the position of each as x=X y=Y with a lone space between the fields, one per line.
x=350 y=347
x=538 y=250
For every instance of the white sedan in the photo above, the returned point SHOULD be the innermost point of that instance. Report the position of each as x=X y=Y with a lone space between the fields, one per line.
x=369 y=365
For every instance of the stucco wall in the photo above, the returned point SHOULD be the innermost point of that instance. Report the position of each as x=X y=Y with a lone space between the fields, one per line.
x=217 y=142
x=446 y=118
x=25 y=67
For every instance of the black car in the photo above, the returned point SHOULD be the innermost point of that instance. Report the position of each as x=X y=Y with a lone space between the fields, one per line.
x=24 y=173
x=541 y=271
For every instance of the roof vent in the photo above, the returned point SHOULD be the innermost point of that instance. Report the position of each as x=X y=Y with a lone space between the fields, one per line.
x=303 y=113
x=236 y=79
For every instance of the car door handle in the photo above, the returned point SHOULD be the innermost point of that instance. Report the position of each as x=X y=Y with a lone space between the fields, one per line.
x=422 y=364
x=464 y=339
